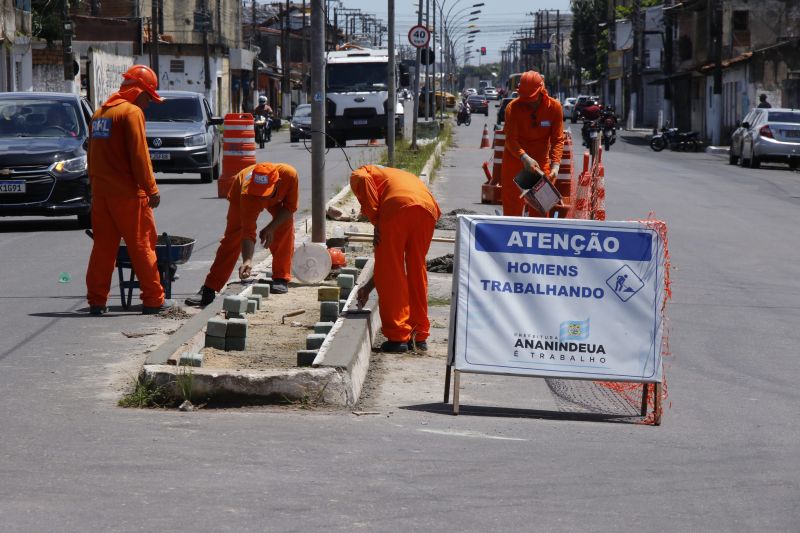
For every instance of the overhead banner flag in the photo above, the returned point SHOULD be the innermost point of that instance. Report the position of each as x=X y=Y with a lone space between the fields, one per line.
x=564 y=298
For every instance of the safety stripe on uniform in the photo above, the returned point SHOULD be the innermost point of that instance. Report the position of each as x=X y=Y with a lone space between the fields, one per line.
x=234 y=127
x=239 y=152
x=497 y=161
x=234 y=140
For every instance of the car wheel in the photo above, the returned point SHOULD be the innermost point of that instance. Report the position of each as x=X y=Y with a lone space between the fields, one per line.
x=211 y=175
x=293 y=138
x=85 y=220
x=793 y=164
x=732 y=159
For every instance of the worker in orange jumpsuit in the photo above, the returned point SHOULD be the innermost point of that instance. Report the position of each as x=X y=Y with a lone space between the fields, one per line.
x=404 y=214
x=270 y=186
x=124 y=192
x=534 y=139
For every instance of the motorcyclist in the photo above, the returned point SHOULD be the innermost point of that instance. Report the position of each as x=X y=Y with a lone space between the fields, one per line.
x=263 y=109
x=464 y=110
x=590 y=113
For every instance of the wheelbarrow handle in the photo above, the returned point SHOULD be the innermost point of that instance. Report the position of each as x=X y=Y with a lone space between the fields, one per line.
x=90 y=233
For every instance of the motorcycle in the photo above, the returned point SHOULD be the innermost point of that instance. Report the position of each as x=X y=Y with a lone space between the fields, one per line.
x=675 y=140
x=263 y=131
x=464 y=116
x=590 y=132
x=609 y=132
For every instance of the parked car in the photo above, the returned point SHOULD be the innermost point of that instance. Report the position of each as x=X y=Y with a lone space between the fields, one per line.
x=490 y=93
x=580 y=103
x=445 y=100
x=771 y=134
x=182 y=135
x=470 y=91
x=300 y=125
x=568 y=106
x=43 y=167
x=479 y=104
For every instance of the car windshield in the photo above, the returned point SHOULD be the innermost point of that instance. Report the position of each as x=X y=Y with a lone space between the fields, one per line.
x=792 y=117
x=356 y=77
x=40 y=118
x=178 y=109
x=302 y=111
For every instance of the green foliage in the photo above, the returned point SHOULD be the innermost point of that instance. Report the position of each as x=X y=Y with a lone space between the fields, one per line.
x=586 y=36
x=145 y=393
x=47 y=22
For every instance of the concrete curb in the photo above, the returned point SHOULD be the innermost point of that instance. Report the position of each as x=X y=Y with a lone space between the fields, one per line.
x=337 y=374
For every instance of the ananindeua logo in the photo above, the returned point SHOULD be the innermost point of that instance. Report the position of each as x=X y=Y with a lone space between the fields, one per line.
x=574 y=330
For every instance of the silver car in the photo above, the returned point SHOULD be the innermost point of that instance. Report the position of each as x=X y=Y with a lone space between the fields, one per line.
x=767 y=135
x=568 y=106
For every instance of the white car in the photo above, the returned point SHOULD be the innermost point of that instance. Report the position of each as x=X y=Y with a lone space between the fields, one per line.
x=470 y=91
x=490 y=93
x=568 y=106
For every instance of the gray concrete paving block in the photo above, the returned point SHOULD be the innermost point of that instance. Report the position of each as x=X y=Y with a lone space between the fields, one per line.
x=349 y=271
x=345 y=293
x=262 y=289
x=342 y=303
x=234 y=315
x=191 y=359
x=315 y=340
x=328 y=294
x=252 y=306
x=306 y=357
x=215 y=342
x=323 y=327
x=237 y=327
x=235 y=344
x=216 y=327
x=328 y=311
x=257 y=298
x=346 y=281
x=361 y=262
x=235 y=304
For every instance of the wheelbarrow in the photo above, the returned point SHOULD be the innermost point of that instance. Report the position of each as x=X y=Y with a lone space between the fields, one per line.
x=171 y=251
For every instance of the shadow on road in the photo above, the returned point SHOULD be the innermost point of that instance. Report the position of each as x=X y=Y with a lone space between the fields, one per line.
x=34 y=225
x=510 y=412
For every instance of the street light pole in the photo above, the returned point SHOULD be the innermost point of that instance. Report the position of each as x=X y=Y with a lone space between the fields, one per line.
x=317 y=121
x=416 y=86
x=392 y=103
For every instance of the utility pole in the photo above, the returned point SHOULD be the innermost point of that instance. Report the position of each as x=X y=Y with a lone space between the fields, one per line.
x=206 y=54
x=154 y=37
x=66 y=45
x=415 y=113
x=390 y=107
x=253 y=41
x=716 y=50
x=428 y=63
x=286 y=80
x=303 y=35
x=558 y=53
x=317 y=121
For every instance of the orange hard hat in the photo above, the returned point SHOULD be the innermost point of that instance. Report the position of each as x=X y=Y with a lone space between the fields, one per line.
x=530 y=85
x=143 y=77
x=337 y=257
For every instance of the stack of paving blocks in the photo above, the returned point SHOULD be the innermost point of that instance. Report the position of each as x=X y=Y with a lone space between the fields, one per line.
x=229 y=333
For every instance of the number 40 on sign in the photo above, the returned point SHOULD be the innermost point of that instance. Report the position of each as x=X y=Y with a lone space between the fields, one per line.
x=419 y=36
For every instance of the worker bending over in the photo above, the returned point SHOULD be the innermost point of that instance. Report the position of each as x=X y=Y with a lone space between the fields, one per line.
x=404 y=214
x=270 y=186
x=124 y=192
x=534 y=139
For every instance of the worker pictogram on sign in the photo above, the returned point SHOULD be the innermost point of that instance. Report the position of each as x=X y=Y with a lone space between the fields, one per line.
x=625 y=283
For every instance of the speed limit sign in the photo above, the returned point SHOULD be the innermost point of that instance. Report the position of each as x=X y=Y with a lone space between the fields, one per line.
x=419 y=36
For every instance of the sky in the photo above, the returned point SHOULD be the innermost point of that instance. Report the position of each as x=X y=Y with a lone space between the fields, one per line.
x=498 y=20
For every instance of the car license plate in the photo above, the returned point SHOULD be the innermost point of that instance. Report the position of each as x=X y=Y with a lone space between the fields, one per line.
x=592 y=134
x=792 y=133
x=360 y=122
x=12 y=187
x=159 y=156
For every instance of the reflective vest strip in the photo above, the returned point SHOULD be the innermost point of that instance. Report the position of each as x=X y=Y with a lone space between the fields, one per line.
x=239 y=128
x=238 y=140
x=239 y=153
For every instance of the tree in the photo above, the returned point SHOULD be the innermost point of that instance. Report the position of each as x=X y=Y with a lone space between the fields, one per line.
x=588 y=44
x=47 y=23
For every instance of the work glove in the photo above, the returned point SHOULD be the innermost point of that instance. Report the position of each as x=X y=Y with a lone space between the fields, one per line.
x=553 y=173
x=530 y=164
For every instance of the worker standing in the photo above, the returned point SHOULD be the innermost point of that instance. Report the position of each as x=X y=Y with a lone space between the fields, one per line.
x=404 y=214
x=124 y=192
x=270 y=186
x=534 y=138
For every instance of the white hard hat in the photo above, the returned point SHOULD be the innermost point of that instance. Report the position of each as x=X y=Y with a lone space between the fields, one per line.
x=262 y=99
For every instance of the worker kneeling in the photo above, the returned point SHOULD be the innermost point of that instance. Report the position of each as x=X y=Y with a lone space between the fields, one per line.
x=270 y=186
x=404 y=214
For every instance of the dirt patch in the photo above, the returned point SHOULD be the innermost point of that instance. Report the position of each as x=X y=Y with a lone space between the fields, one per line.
x=450 y=220
x=270 y=343
x=443 y=264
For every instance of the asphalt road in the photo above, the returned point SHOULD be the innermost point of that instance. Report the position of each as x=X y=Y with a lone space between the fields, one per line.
x=725 y=458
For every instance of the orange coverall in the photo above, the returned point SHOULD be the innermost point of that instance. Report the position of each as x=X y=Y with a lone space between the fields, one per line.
x=121 y=177
x=404 y=214
x=242 y=223
x=541 y=138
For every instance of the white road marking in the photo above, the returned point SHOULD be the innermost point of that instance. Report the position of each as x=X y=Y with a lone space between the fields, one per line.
x=470 y=434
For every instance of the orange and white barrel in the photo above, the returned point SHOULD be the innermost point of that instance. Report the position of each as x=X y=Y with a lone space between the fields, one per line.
x=497 y=156
x=238 y=149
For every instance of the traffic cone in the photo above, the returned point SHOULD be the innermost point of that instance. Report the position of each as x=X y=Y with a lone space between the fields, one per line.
x=485 y=138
